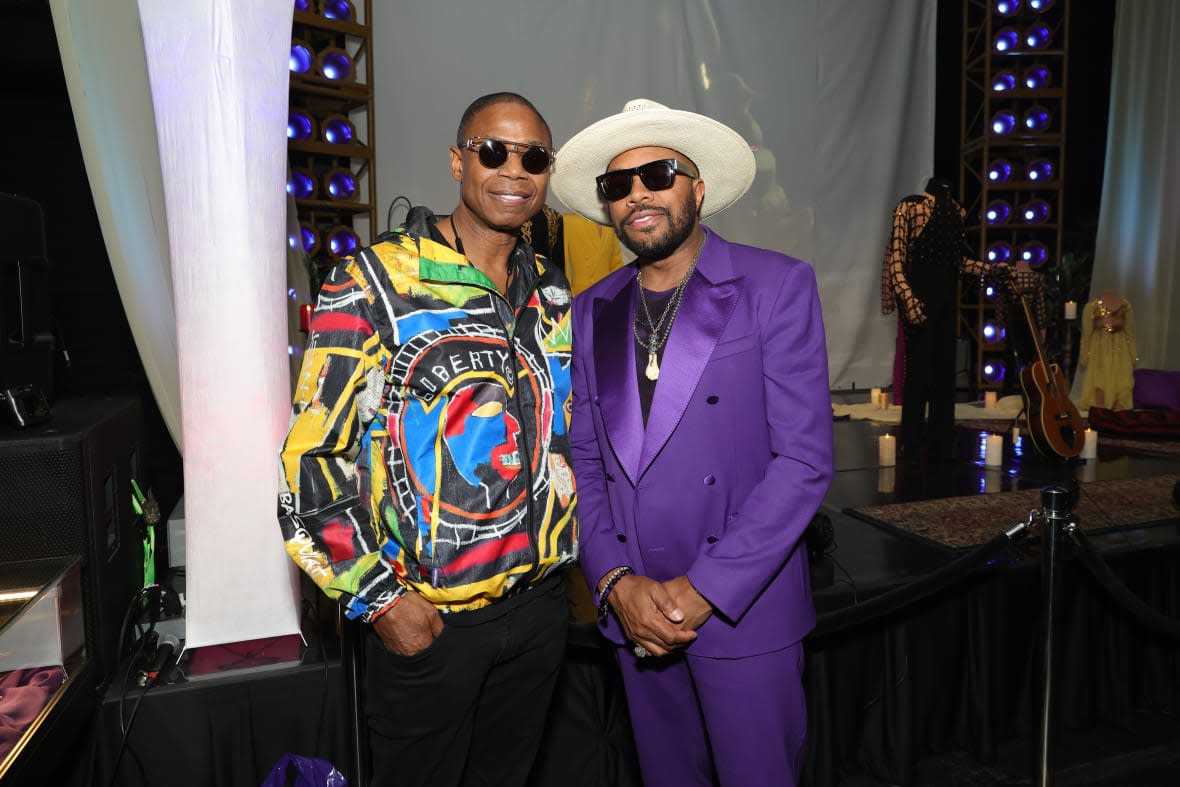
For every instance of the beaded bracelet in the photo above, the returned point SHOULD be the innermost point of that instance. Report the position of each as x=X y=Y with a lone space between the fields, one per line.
x=611 y=581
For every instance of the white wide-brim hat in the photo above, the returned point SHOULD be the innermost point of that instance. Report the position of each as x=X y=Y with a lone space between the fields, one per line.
x=723 y=159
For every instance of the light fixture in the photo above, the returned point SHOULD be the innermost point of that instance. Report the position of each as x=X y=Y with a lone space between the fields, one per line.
x=993 y=370
x=342 y=241
x=1034 y=253
x=301 y=56
x=1003 y=123
x=998 y=252
x=301 y=183
x=338 y=130
x=340 y=184
x=1037 y=118
x=300 y=125
x=998 y=212
x=1003 y=81
x=1040 y=6
x=309 y=238
x=1039 y=170
x=334 y=63
x=1006 y=40
x=303 y=5
x=1035 y=211
x=1037 y=77
x=1000 y=171
x=340 y=10
x=990 y=292
x=1007 y=7
x=993 y=333
x=1038 y=36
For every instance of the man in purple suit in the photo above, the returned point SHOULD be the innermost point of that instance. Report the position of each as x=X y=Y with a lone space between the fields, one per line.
x=702 y=446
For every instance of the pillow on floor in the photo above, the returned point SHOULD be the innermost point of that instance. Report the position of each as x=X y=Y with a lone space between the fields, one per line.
x=1156 y=389
x=1135 y=423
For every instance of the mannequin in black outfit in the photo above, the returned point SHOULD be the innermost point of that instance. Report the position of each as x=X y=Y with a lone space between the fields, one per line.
x=923 y=262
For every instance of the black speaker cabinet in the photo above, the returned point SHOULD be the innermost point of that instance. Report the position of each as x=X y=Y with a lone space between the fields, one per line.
x=65 y=489
x=26 y=325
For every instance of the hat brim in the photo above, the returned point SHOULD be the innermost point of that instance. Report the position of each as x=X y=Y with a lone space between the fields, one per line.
x=723 y=159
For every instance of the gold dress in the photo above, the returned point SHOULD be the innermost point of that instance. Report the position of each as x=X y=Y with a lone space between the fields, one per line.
x=1109 y=352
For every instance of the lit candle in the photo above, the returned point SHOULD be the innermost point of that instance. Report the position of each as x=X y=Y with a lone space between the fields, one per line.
x=992 y=481
x=875 y=397
x=989 y=400
x=994 y=456
x=1090 y=447
x=1071 y=310
x=887 y=450
x=886 y=479
x=1088 y=471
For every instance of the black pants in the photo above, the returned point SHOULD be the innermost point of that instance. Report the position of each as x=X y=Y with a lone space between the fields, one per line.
x=930 y=382
x=470 y=709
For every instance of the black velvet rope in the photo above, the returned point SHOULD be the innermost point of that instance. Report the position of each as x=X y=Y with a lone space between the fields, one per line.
x=1145 y=614
x=894 y=600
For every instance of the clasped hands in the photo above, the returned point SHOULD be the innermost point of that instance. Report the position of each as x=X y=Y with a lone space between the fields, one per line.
x=660 y=616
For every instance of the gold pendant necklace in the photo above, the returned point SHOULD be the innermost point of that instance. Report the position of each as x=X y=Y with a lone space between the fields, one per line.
x=656 y=339
x=652 y=372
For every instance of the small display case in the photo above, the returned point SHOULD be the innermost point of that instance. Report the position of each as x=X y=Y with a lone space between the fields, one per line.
x=42 y=644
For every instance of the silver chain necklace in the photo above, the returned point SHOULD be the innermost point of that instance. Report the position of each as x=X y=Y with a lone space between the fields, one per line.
x=656 y=340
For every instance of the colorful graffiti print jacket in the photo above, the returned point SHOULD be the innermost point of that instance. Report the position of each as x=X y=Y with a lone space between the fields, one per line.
x=428 y=449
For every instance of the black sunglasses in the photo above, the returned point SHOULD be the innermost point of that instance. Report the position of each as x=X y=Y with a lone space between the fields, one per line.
x=494 y=152
x=655 y=176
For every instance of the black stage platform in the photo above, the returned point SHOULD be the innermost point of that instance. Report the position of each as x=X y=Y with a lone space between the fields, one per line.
x=940 y=692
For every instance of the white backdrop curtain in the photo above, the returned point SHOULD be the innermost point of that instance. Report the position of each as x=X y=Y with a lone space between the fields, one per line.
x=838 y=97
x=181 y=113
x=1138 y=247
x=188 y=178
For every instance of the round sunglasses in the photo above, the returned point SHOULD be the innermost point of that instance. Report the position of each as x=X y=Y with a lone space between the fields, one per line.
x=655 y=176
x=494 y=152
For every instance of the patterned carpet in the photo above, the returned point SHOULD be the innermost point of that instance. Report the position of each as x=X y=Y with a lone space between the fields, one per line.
x=965 y=522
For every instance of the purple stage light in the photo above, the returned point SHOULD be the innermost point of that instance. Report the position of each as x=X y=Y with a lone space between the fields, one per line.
x=1034 y=253
x=998 y=252
x=340 y=184
x=1037 y=118
x=1035 y=211
x=338 y=130
x=1040 y=170
x=1037 y=77
x=300 y=125
x=340 y=10
x=1003 y=123
x=1000 y=171
x=1038 y=36
x=998 y=212
x=1003 y=81
x=342 y=241
x=301 y=57
x=335 y=64
x=301 y=184
x=1007 y=40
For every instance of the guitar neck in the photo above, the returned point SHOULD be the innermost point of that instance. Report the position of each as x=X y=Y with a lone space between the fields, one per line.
x=1033 y=330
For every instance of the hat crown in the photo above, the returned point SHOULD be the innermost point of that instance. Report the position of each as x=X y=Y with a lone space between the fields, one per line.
x=639 y=104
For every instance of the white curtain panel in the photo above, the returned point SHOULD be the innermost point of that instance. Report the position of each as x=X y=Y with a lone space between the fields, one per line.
x=1138 y=246
x=102 y=57
x=836 y=96
x=218 y=72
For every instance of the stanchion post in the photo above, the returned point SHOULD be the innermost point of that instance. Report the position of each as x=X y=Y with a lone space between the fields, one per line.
x=352 y=649
x=1055 y=505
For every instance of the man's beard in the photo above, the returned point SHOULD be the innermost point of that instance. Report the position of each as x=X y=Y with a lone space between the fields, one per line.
x=657 y=247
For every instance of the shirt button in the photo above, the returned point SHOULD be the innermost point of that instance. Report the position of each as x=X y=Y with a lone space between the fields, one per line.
x=713 y=399
x=710 y=480
x=622 y=538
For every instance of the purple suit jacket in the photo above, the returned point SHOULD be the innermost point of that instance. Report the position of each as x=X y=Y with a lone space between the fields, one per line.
x=737 y=453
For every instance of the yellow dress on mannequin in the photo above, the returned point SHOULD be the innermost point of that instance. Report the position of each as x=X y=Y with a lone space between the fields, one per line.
x=1109 y=352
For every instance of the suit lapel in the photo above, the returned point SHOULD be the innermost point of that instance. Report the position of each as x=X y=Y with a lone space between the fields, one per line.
x=614 y=371
x=709 y=300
